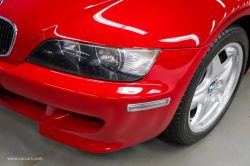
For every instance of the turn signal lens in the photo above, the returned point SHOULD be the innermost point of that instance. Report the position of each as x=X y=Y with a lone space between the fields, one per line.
x=148 y=105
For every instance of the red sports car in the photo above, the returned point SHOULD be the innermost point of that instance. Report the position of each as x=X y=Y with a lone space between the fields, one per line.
x=102 y=75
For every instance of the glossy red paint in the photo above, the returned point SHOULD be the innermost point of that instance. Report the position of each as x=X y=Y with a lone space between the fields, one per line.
x=120 y=23
x=91 y=114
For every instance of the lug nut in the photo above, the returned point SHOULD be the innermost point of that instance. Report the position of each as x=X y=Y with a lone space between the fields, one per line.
x=212 y=97
x=219 y=84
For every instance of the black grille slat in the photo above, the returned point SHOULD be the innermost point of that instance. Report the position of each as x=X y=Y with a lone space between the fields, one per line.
x=5 y=28
x=1 y=27
x=7 y=36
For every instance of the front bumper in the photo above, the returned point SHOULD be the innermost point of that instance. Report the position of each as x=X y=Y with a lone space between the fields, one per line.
x=91 y=114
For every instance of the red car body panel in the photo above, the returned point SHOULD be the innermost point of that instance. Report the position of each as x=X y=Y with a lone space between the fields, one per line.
x=91 y=114
x=100 y=99
x=123 y=23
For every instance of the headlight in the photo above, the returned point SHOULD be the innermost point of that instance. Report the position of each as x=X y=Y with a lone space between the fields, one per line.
x=106 y=63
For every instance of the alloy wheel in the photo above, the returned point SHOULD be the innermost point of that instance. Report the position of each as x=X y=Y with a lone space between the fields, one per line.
x=215 y=87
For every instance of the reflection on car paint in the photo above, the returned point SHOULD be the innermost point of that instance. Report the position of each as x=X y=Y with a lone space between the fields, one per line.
x=222 y=4
x=182 y=38
x=98 y=17
x=129 y=90
x=90 y=6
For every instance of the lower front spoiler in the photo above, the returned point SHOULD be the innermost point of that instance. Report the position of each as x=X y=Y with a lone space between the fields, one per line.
x=79 y=131
x=55 y=129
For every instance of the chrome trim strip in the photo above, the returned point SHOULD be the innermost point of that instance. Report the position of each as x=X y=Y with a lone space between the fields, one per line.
x=148 y=105
x=14 y=36
x=1 y=1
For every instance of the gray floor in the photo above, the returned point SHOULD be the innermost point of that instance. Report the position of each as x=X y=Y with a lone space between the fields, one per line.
x=228 y=144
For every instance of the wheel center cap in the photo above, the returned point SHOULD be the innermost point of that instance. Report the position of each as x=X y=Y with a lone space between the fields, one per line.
x=212 y=86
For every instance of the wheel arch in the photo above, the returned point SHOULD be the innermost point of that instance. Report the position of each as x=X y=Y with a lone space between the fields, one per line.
x=241 y=18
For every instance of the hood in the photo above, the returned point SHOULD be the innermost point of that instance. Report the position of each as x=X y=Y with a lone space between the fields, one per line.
x=118 y=23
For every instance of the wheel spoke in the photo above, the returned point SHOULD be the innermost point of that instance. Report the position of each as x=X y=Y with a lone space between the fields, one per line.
x=198 y=114
x=200 y=97
x=227 y=63
x=225 y=78
x=204 y=110
x=217 y=67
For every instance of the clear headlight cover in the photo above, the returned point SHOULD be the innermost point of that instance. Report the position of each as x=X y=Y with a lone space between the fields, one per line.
x=105 y=63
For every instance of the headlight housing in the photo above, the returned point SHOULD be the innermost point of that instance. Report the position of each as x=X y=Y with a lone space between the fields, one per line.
x=105 y=63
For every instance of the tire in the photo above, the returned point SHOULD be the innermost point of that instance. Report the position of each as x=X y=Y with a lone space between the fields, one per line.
x=185 y=128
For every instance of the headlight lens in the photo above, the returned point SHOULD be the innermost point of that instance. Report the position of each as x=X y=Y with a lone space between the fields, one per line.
x=106 y=63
